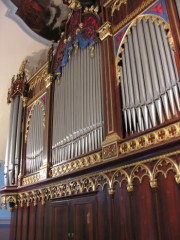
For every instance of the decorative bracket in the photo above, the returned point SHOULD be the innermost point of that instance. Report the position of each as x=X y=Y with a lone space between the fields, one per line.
x=105 y=31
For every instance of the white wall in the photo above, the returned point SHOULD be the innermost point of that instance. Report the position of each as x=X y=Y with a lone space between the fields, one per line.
x=15 y=45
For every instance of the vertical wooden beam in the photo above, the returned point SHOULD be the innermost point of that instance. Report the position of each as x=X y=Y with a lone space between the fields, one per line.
x=47 y=138
x=175 y=28
x=113 y=124
x=22 y=167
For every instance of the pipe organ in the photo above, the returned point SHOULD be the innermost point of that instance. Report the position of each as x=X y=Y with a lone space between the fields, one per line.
x=77 y=117
x=94 y=134
x=149 y=78
x=13 y=150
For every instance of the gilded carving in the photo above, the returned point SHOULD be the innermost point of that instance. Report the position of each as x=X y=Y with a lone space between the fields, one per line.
x=22 y=67
x=74 y=4
x=117 y=5
x=37 y=102
x=129 y=17
x=110 y=151
x=105 y=31
x=74 y=186
x=165 y=165
x=76 y=164
x=48 y=80
x=150 y=139
x=31 y=179
x=106 y=3
x=92 y=9
x=40 y=76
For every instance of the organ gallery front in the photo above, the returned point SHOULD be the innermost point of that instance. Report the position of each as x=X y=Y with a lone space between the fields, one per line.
x=93 y=146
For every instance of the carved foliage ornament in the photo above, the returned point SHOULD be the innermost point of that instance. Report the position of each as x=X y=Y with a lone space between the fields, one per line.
x=116 y=6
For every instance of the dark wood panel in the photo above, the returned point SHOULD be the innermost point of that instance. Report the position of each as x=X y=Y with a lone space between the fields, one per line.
x=168 y=199
x=25 y=222
x=104 y=215
x=19 y=223
x=13 y=225
x=122 y=227
x=39 y=232
x=85 y=221
x=143 y=216
x=60 y=226
x=32 y=222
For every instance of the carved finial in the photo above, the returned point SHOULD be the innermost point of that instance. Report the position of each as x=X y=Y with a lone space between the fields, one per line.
x=9 y=96
x=13 y=79
x=74 y=4
x=22 y=67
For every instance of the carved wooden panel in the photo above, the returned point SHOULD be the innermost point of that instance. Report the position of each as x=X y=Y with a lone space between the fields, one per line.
x=72 y=219
x=120 y=12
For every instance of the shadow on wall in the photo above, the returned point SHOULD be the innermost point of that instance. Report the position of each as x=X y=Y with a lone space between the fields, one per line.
x=4 y=213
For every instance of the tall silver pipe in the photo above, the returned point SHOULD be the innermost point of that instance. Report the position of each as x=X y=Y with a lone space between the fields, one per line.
x=18 y=139
x=6 y=164
x=130 y=84
x=139 y=66
x=162 y=55
x=135 y=83
x=144 y=62
x=13 y=141
x=126 y=91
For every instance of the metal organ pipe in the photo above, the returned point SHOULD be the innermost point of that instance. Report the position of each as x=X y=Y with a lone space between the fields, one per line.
x=12 y=159
x=18 y=139
x=149 y=79
x=13 y=140
x=78 y=108
x=34 y=146
x=6 y=165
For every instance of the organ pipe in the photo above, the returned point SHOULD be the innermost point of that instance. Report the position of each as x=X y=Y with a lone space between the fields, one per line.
x=77 y=120
x=6 y=165
x=34 y=147
x=12 y=158
x=149 y=79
